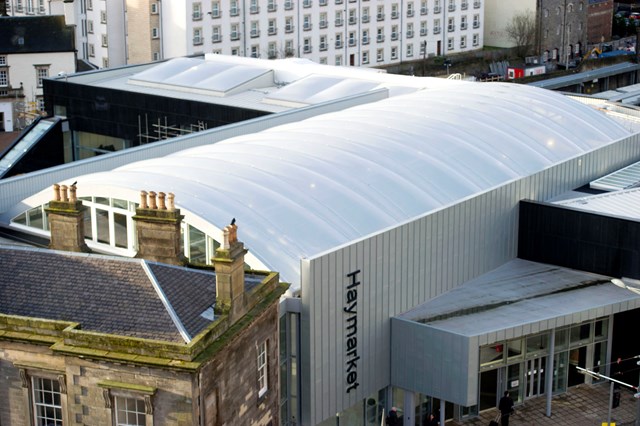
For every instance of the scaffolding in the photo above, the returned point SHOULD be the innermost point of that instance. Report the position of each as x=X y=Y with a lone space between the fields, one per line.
x=159 y=130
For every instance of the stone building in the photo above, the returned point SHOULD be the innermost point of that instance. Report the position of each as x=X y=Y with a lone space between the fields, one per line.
x=95 y=340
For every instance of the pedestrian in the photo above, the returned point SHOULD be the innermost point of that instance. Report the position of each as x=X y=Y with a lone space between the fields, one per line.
x=431 y=420
x=506 y=408
x=392 y=418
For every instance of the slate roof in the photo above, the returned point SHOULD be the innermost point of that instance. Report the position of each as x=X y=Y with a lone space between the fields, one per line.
x=35 y=34
x=105 y=294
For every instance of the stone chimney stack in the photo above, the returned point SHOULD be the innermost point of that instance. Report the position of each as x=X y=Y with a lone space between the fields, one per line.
x=158 y=229
x=66 y=220
x=229 y=265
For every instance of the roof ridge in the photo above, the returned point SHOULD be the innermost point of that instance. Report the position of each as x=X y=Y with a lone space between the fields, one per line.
x=165 y=301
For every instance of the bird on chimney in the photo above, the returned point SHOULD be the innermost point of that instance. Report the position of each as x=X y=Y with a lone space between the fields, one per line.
x=233 y=221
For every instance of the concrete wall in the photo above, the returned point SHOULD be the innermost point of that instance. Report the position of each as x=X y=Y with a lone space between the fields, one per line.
x=22 y=70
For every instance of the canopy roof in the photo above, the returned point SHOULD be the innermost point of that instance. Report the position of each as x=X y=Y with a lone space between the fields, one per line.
x=301 y=189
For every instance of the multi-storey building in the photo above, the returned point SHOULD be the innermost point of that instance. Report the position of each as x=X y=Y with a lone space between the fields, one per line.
x=561 y=26
x=336 y=32
x=31 y=49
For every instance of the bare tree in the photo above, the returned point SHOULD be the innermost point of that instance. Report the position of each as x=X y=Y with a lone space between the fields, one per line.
x=522 y=31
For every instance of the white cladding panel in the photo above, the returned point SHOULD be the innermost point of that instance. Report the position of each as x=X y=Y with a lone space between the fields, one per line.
x=410 y=264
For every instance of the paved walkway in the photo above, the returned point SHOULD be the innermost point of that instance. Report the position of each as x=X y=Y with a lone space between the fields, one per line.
x=584 y=405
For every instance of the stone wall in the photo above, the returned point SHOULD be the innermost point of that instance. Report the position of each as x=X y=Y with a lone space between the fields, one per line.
x=230 y=379
x=85 y=404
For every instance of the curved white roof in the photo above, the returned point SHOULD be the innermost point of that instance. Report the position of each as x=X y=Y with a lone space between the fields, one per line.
x=301 y=189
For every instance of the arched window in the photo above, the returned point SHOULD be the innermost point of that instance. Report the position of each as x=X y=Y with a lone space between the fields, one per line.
x=570 y=8
x=545 y=12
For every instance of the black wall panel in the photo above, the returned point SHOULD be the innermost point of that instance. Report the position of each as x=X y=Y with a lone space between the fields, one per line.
x=581 y=240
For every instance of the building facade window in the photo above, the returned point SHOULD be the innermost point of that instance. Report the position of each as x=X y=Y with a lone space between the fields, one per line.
x=338 y=60
x=463 y=42
x=215 y=9
x=154 y=8
x=263 y=382
x=272 y=6
x=90 y=26
x=306 y=45
x=255 y=29
x=103 y=16
x=324 y=22
x=254 y=7
x=47 y=403
x=233 y=8
x=4 y=78
x=272 y=28
x=476 y=21
x=476 y=39
x=450 y=43
x=42 y=72
x=394 y=52
x=235 y=32
x=3 y=61
x=380 y=34
x=155 y=32
x=216 y=36
x=272 y=50
x=410 y=30
x=380 y=55
x=129 y=411
x=410 y=50
x=365 y=57
x=196 y=11
x=410 y=10
x=436 y=26
x=306 y=22
x=365 y=36
x=197 y=36
x=105 y=40
x=451 y=24
x=424 y=8
x=463 y=22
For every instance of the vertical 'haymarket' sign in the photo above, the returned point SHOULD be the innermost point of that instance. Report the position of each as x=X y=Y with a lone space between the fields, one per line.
x=351 y=330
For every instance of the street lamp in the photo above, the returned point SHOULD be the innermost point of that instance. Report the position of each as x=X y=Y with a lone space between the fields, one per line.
x=447 y=63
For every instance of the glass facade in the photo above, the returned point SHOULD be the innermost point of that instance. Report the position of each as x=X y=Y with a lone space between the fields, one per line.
x=109 y=227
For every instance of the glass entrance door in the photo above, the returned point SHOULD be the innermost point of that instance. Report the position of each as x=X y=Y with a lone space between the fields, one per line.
x=535 y=377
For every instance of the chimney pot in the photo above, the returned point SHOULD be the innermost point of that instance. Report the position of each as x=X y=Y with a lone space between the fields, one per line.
x=72 y=194
x=64 y=196
x=170 y=201
x=152 y=200
x=143 y=199
x=161 y=205
x=56 y=192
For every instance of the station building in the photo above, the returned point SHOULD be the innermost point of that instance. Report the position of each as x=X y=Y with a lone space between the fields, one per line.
x=434 y=239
